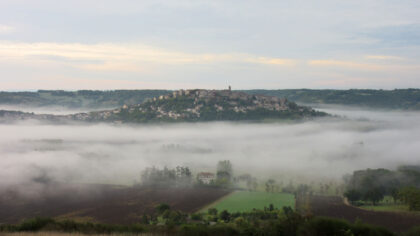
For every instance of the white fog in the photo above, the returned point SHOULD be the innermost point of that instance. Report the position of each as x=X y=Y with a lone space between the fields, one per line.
x=103 y=153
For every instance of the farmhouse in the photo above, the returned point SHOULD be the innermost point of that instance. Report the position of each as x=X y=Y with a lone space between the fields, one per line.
x=205 y=177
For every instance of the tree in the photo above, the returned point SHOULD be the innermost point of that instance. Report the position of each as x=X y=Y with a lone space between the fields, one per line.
x=183 y=175
x=212 y=211
x=410 y=196
x=225 y=216
x=145 y=219
x=270 y=185
x=161 y=208
x=394 y=194
x=303 y=189
x=271 y=207
x=375 y=195
x=289 y=188
x=353 y=195
x=254 y=185
x=180 y=176
x=224 y=172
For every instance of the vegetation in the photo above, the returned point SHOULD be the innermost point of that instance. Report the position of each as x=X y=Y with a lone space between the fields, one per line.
x=385 y=99
x=79 y=99
x=224 y=173
x=257 y=222
x=372 y=186
x=215 y=107
x=243 y=201
x=178 y=177
x=189 y=106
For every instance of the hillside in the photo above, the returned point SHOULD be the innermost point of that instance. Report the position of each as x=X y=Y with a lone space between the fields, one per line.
x=204 y=105
x=78 y=99
x=406 y=99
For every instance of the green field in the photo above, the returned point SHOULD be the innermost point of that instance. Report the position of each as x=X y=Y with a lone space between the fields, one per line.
x=241 y=201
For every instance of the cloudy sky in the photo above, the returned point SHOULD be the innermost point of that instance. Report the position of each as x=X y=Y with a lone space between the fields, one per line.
x=87 y=44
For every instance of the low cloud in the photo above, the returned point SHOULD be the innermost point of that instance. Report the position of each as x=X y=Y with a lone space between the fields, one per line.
x=101 y=153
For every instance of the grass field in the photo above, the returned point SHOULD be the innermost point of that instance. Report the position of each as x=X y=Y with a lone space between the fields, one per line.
x=242 y=201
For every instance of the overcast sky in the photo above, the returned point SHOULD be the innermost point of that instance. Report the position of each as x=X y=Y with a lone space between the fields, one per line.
x=86 y=44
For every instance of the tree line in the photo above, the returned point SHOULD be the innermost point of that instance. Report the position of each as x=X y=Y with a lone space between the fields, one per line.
x=372 y=185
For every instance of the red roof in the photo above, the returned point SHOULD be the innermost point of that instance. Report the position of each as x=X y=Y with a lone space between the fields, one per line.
x=205 y=174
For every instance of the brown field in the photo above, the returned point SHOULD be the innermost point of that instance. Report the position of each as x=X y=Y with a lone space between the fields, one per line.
x=334 y=207
x=102 y=203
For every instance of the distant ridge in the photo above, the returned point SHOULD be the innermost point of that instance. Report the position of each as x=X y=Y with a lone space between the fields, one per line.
x=397 y=99
x=401 y=99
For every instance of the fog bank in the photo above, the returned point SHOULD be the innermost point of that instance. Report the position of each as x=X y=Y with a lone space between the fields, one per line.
x=325 y=149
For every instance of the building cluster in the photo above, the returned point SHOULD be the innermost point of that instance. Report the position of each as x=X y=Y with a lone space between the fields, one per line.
x=236 y=101
x=206 y=177
x=219 y=100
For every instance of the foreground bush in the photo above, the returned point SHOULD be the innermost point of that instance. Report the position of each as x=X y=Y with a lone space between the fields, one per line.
x=333 y=227
x=288 y=224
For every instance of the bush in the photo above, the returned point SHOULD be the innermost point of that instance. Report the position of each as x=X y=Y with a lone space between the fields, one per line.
x=212 y=211
x=34 y=224
x=202 y=230
x=331 y=227
x=413 y=232
x=225 y=216
x=161 y=208
x=197 y=216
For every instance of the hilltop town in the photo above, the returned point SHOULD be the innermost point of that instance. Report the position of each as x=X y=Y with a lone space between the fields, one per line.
x=204 y=105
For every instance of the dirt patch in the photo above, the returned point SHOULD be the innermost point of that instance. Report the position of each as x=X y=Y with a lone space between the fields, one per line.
x=103 y=203
x=335 y=207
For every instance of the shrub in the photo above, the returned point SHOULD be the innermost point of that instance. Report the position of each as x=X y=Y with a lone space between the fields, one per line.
x=35 y=224
x=212 y=211
x=162 y=208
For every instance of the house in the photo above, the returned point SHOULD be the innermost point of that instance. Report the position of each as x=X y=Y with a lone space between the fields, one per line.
x=206 y=177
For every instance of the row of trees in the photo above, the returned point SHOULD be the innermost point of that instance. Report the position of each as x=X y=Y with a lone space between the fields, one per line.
x=179 y=176
x=182 y=176
x=373 y=184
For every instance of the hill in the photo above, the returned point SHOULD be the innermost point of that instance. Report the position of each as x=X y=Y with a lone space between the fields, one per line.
x=204 y=105
x=78 y=99
x=404 y=99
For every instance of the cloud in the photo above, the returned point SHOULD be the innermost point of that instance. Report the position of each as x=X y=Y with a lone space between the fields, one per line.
x=274 y=61
x=6 y=29
x=347 y=64
x=122 y=57
x=383 y=57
